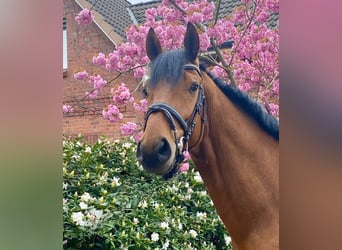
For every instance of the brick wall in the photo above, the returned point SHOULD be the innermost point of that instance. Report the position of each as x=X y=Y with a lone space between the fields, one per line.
x=83 y=43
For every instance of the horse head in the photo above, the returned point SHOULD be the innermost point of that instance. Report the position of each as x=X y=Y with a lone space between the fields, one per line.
x=174 y=90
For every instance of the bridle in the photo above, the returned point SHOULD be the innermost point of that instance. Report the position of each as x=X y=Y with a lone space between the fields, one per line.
x=187 y=125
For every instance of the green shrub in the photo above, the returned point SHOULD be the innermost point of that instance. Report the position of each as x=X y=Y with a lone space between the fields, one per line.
x=109 y=202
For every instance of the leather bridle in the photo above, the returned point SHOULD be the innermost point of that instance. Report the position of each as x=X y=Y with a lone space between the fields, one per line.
x=187 y=125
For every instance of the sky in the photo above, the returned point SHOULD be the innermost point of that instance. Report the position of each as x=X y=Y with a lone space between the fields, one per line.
x=138 y=1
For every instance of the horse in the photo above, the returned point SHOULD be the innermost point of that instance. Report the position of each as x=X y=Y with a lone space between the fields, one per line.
x=233 y=141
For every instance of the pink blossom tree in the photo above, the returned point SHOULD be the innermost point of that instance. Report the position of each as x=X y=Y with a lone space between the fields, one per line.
x=251 y=64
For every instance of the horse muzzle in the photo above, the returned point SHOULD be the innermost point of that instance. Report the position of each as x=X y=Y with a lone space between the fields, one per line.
x=156 y=157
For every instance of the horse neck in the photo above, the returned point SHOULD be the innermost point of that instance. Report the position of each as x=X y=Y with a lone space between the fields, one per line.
x=238 y=162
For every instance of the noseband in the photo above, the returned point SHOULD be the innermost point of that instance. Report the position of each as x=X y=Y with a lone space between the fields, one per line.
x=187 y=125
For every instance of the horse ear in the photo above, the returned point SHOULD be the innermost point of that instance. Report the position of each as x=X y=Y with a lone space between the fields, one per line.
x=153 y=47
x=191 y=42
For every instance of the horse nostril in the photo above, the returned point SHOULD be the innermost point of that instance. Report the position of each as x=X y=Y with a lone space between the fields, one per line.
x=164 y=150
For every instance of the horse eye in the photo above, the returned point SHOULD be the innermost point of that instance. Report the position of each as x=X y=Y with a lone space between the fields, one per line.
x=194 y=87
x=144 y=90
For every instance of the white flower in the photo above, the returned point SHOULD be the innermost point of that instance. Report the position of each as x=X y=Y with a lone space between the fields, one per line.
x=85 y=197
x=83 y=205
x=78 y=217
x=193 y=233
x=135 y=221
x=97 y=213
x=197 y=177
x=76 y=157
x=94 y=216
x=87 y=149
x=190 y=247
x=189 y=191
x=102 y=180
x=227 y=239
x=180 y=226
x=65 y=185
x=201 y=215
x=116 y=181
x=203 y=193
x=140 y=167
x=174 y=188
x=164 y=225
x=65 y=208
x=166 y=244
x=142 y=204
x=127 y=145
x=154 y=236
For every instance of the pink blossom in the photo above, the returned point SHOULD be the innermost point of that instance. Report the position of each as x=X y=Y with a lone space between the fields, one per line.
x=170 y=17
x=138 y=136
x=139 y=73
x=85 y=17
x=274 y=109
x=184 y=167
x=196 y=18
x=112 y=113
x=262 y=17
x=275 y=88
x=151 y=14
x=273 y=5
x=127 y=60
x=113 y=58
x=186 y=155
x=208 y=11
x=142 y=106
x=97 y=82
x=100 y=59
x=82 y=75
x=204 y=41
x=67 y=109
x=122 y=95
x=129 y=128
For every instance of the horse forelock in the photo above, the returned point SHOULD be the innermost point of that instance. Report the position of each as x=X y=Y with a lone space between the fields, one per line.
x=168 y=66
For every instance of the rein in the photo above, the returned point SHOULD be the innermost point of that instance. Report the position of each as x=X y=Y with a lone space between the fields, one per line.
x=187 y=125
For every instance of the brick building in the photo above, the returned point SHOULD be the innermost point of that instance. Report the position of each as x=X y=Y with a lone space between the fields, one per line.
x=81 y=44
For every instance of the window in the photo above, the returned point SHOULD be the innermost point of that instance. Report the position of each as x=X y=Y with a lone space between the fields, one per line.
x=65 y=49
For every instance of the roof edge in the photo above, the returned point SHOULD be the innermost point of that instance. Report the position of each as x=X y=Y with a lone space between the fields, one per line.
x=100 y=22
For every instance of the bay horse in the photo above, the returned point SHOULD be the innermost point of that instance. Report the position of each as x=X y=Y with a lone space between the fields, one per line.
x=233 y=142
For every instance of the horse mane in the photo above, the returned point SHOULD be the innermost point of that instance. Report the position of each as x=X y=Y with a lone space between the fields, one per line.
x=168 y=66
x=266 y=121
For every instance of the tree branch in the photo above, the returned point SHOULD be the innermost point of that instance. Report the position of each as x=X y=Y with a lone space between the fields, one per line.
x=222 y=60
x=217 y=11
x=177 y=7
x=243 y=34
